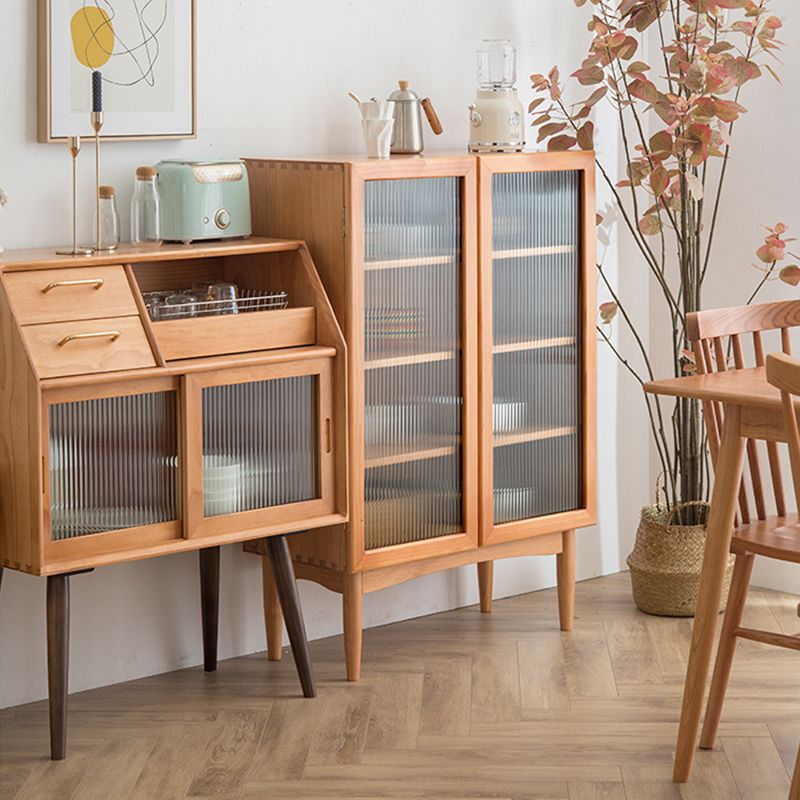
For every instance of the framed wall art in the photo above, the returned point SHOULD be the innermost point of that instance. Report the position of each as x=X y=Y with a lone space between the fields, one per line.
x=145 y=53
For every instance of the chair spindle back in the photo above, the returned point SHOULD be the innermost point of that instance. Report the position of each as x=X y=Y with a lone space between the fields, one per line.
x=718 y=338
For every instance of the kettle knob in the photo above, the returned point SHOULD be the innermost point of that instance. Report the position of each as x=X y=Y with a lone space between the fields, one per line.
x=403 y=85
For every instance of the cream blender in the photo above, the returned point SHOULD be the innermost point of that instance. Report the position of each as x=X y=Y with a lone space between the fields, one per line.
x=497 y=118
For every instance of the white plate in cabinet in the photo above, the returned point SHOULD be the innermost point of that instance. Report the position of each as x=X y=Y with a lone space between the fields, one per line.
x=59 y=349
x=57 y=295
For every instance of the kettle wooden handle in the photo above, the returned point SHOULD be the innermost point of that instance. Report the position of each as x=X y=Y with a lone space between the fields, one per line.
x=430 y=113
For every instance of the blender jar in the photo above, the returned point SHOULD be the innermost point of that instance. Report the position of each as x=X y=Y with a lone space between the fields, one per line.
x=497 y=64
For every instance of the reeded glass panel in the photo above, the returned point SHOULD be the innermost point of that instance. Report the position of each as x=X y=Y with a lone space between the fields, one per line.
x=536 y=410
x=113 y=464
x=259 y=444
x=413 y=391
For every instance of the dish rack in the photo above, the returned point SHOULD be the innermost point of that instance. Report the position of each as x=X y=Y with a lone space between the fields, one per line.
x=246 y=301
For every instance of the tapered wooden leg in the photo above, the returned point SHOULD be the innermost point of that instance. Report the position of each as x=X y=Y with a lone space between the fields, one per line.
x=565 y=576
x=352 y=625
x=273 y=616
x=286 y=587
x=1 y=577
x=794 y=792
x=485 y=581
x=209 y=605
x=712 y=579
x=58 y=662
x=740 y=582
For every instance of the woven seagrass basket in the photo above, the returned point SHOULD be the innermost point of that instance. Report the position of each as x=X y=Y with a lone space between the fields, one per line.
x=665 y=565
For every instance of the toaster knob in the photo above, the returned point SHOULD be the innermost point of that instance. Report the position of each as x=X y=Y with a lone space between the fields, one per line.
x=222 y=218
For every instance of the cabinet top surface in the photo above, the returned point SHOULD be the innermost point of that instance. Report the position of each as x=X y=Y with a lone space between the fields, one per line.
x=46 y=257
x=359 y=159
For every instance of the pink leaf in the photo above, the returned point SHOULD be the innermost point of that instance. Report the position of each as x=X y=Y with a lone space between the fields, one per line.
x=791 y=275
x=650 y=225
x=607 y=312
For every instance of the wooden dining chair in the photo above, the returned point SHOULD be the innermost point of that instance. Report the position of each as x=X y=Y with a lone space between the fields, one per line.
x=721 y=339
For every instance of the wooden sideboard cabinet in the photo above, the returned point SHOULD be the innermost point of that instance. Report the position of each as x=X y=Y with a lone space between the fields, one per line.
x=123 y=437
x=465 y=288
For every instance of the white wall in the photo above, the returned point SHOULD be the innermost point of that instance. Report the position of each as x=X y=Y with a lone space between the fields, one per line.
x=272 y=78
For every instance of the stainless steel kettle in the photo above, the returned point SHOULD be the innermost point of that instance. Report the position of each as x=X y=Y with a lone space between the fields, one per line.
x=407 y=130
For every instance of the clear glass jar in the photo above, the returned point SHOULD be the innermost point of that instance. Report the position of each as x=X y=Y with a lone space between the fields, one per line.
x=497 y=64
x=109 y=220
x=145 y=209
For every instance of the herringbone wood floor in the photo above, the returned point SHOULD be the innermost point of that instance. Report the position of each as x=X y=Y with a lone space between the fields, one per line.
x=455 y=705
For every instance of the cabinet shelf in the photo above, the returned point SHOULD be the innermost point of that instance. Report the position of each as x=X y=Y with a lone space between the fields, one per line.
x=415 y=358
x=527 y=252
x=413 y=452
x=534 y=344
x=405 y=263
x=533 y=435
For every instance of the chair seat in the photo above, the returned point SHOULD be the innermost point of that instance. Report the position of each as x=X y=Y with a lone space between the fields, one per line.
x=774 y=537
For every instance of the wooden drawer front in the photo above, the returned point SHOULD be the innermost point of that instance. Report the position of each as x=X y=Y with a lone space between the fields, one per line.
x=79 y=348
x=54 y=295
x=195 y=337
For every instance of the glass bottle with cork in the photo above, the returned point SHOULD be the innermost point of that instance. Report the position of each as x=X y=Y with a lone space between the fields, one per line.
x=145 y=209
x=107 y=223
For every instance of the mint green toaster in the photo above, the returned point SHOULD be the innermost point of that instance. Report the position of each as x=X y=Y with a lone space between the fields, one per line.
x=203 y=200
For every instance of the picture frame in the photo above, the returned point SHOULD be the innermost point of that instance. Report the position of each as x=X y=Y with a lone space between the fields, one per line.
x=149 y=75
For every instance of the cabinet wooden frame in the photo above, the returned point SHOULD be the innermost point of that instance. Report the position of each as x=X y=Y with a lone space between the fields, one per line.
x=490 y=165
x=359 y=558
x=26 y=396
x=116 y=541
x=321 y=200
x=196 y=524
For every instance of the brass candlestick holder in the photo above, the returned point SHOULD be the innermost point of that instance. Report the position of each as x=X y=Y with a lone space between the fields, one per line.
x=99 y=246
x=74 y=147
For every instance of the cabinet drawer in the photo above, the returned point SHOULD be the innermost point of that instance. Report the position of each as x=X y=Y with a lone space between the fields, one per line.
x=78 y=348
x=55 y=295
x=236 y=333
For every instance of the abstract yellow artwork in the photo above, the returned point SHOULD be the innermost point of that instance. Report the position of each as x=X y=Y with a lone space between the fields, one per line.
x=145 y=53
x=92 y=36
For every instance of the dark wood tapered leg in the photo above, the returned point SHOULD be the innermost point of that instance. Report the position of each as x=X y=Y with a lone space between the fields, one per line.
x=1 y=577
x=58 y=661
x=209 y=605
x=285 y=583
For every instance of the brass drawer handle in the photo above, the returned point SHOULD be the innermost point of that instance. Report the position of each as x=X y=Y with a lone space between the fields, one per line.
x=97 y=283
x=113 y=335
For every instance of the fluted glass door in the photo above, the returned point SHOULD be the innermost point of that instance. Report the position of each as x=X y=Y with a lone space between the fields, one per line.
x=113 y=464
x=260 y=450
x=536 y=368
x=260 y=444
x=413 y=393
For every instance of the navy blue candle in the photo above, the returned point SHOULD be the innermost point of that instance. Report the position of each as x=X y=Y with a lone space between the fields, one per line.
x=97 y=90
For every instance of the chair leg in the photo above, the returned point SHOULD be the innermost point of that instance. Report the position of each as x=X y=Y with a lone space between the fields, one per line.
x=209 y=605
x=273 y=616
x=740 y=582
x=1 y=577
x=485 y=584
x=565 y=576
x=58 y=662
x=352 y=625
x=794 y=792
x=286 y=587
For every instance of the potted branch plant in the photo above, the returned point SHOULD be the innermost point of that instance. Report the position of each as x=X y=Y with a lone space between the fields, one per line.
x=676 y=119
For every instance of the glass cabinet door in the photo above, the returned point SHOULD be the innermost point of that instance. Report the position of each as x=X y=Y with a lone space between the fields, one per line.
x=414 y=377
x=112 y=464
x=536 y=344
x=264 y=449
